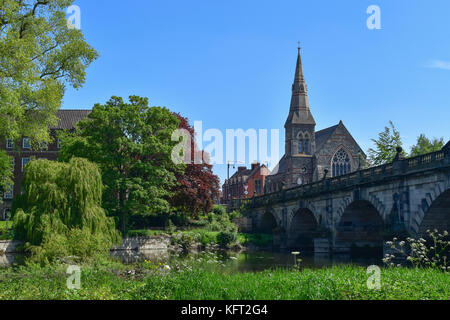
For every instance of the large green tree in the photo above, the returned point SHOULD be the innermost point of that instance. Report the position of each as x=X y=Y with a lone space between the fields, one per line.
x=385 y=146
x=425 y=145
x=131 y=142
x=39 y=57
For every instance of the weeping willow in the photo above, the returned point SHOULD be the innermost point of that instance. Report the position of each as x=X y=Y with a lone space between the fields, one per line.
x=59 y=211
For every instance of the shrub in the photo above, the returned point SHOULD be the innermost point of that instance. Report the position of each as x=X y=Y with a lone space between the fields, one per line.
x=226 y=238
x=422 y=253
x=219 y=210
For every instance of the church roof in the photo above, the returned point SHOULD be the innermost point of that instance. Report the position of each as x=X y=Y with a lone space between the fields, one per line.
x=322 y=136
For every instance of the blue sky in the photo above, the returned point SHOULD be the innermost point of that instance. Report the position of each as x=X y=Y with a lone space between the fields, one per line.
x=231 y=63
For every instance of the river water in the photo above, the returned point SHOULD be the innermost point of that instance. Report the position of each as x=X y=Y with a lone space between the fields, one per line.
x=230 y=261
x=252 y=261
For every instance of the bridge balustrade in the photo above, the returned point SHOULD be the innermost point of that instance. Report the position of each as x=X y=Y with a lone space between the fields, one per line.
x=428 y=161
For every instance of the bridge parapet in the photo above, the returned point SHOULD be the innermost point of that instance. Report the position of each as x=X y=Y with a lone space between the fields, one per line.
x=420 y=164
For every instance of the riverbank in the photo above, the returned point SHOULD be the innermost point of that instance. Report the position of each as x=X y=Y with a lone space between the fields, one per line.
x=108 y=279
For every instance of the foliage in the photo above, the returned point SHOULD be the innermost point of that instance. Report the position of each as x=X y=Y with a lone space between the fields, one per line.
x=104 y=279
x=219 y=210
x=131 y=142
x=385 y=146
x=59 y=213
x=6 y=173
x=197 y=185
x=425 y=145
x=422 y=253
x=39 y=56
x=226 y=238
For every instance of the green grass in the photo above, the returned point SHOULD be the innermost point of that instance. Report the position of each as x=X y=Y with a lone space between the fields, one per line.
x=110 y=281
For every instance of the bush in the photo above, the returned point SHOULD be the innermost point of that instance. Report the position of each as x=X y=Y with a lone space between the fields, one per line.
x=219 y=210
x=226 y=238
x=432 y=252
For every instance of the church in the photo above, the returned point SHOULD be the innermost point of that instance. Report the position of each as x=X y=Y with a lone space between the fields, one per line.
x=311 y=155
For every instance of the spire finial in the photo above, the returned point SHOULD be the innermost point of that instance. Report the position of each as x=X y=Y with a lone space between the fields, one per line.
x=299 y=47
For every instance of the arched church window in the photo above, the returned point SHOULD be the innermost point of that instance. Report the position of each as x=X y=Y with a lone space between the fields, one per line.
x=306 y=144
x=341 y=163
x=300 y=143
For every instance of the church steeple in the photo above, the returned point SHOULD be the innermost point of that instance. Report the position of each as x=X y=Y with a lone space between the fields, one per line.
x=299 y=112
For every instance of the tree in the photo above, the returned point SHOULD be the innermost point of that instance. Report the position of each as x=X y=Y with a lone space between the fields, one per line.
x=197 y=185
x=39 y=56
x=59 y=213
x=386 y=146
x=131 y=142
x=425 y=145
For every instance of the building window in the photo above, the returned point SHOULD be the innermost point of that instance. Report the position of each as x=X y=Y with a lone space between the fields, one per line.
x=341 y=163
x=9 y=194
x=26 y=143
x=258 y=186
x=303 y=144
x=9 y=144
x=24 y=162
x=58 y=143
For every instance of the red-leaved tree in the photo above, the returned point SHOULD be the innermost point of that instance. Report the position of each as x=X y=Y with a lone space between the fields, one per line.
x=198 y=185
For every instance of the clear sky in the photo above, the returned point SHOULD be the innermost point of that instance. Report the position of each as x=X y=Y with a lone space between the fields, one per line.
x=231 y=63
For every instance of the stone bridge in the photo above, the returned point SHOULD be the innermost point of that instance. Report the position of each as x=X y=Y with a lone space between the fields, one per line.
x=358 y=210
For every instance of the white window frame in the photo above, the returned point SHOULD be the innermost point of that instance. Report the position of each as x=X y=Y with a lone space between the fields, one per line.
x=28 y=143
x=58 y=143
x=23 y=165
x=9 y=144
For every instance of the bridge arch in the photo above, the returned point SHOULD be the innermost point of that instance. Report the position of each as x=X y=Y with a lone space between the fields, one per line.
x=302 y=230
x=360 y=226
x=268 y=222
x=437 y=215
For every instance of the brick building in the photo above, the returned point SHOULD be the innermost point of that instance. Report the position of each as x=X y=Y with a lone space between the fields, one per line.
x=21 y=152
x=310 y=154
x=245 y=183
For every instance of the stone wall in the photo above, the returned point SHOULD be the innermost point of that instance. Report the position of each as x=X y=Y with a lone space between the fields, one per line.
x=9 y=246
x=144 y=243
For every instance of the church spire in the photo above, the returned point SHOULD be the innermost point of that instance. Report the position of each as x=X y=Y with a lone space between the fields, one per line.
x=299 y=112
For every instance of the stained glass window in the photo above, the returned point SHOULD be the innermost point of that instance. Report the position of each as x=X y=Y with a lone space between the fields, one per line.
x=341 y=163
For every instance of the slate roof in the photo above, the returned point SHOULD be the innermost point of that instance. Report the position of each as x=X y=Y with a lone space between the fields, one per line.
x=447 y=146
x=68 y=118
x=322 y=136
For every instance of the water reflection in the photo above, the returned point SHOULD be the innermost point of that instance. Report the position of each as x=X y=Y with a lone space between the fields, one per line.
x=230 y=261
x=250 y=261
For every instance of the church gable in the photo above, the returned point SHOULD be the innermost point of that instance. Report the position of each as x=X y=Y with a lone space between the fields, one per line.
x=338 y=152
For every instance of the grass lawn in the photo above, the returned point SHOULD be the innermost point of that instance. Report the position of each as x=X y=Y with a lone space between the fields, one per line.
x=111 y=280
